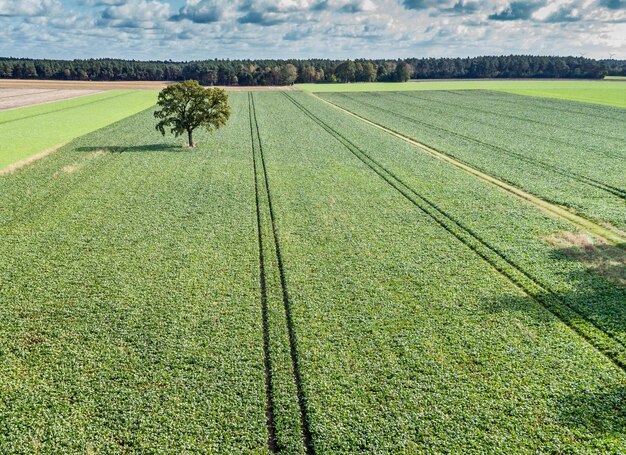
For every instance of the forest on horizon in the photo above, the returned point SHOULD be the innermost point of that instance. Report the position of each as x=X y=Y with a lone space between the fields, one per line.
x=290 y=71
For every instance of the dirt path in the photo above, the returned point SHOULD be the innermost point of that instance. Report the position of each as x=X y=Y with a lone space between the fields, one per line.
x=80 y=85
x=611 y=235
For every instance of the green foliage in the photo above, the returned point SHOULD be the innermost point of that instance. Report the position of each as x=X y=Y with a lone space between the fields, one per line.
x=346 y=71
x=132 y=317
x=271 y=72
x=186 y=106
x=403 y=72
x=407 y=337
x=30 y=130
x=597 y=92
x=568 y=153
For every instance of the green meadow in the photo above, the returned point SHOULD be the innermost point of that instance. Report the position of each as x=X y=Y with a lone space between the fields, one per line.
x=305 y=283
x=598 y=92
x=30 y=130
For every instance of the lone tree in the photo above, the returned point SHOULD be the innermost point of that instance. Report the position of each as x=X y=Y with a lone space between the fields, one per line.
x=187 y=105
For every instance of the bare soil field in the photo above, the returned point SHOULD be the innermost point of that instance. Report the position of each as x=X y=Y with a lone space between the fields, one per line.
x=80 y=85
x=121 y=85
x=14 y=98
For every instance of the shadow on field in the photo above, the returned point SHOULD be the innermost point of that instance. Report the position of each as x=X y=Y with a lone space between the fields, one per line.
x=604 y=259
x=593 y=294
x=594 y=412
x=134 y=148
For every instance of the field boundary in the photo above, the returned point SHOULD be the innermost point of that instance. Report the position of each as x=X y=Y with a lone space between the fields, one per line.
x=11 y=168
x=613 y=237
x=603 y=341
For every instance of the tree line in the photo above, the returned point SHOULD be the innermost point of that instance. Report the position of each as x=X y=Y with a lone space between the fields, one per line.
x=286 y=72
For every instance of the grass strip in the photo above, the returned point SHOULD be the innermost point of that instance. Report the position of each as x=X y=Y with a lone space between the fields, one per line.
x=28 y=131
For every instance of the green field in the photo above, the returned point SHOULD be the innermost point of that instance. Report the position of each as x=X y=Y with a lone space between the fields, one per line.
x=597 y=92
x=27 y=131
x=303 y=282
x=564 y=152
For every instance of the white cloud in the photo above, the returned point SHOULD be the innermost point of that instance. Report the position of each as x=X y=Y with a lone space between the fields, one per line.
x=28 y=8
x=201 y=29
x=138 y=11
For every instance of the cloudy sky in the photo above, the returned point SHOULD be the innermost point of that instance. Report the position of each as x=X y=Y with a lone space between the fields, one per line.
x=201 y=29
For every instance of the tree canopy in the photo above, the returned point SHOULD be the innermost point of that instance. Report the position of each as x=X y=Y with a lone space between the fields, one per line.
x=286 y=72
x=186 y=106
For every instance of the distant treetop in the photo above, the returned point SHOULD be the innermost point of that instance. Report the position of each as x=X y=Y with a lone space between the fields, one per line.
x=287 y=72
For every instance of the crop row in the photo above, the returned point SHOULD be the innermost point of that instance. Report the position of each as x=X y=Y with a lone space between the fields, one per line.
x=524 y=157
x=494 y=218
x=130 y=318
x=599 y=134
x=532 y=150
x=300 y=282
x=405 y=336
x=607 y=343
x=504 y=147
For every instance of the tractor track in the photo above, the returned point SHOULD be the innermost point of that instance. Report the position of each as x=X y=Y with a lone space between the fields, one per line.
x=605 y=342
x=421 y=97
x=609 y=233
x=615 y=191
x=269 y=392
x=293 y=349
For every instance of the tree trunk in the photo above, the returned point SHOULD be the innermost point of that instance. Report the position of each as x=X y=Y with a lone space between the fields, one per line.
x=189 y=132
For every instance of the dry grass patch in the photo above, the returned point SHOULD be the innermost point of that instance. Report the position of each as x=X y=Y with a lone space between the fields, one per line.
x=77 y=165
x=31 y=159
x=595 y=252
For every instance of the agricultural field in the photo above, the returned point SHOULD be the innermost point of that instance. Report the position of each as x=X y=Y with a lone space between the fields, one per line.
x=303 y=282
x=16 y=98
x=30 y=130
x=569 y=153
x=610 y=93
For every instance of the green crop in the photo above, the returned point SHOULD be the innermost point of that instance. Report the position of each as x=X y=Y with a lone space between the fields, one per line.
x=408 y=339
x=567 y=153
x=130 y=318
x=300 y=282
x=597 y=92
x=27 y=131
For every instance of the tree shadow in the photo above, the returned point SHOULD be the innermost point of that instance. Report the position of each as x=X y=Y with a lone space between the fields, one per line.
x=596 y=292
x=134 y=148
x=595 y=296
x=599 y=412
